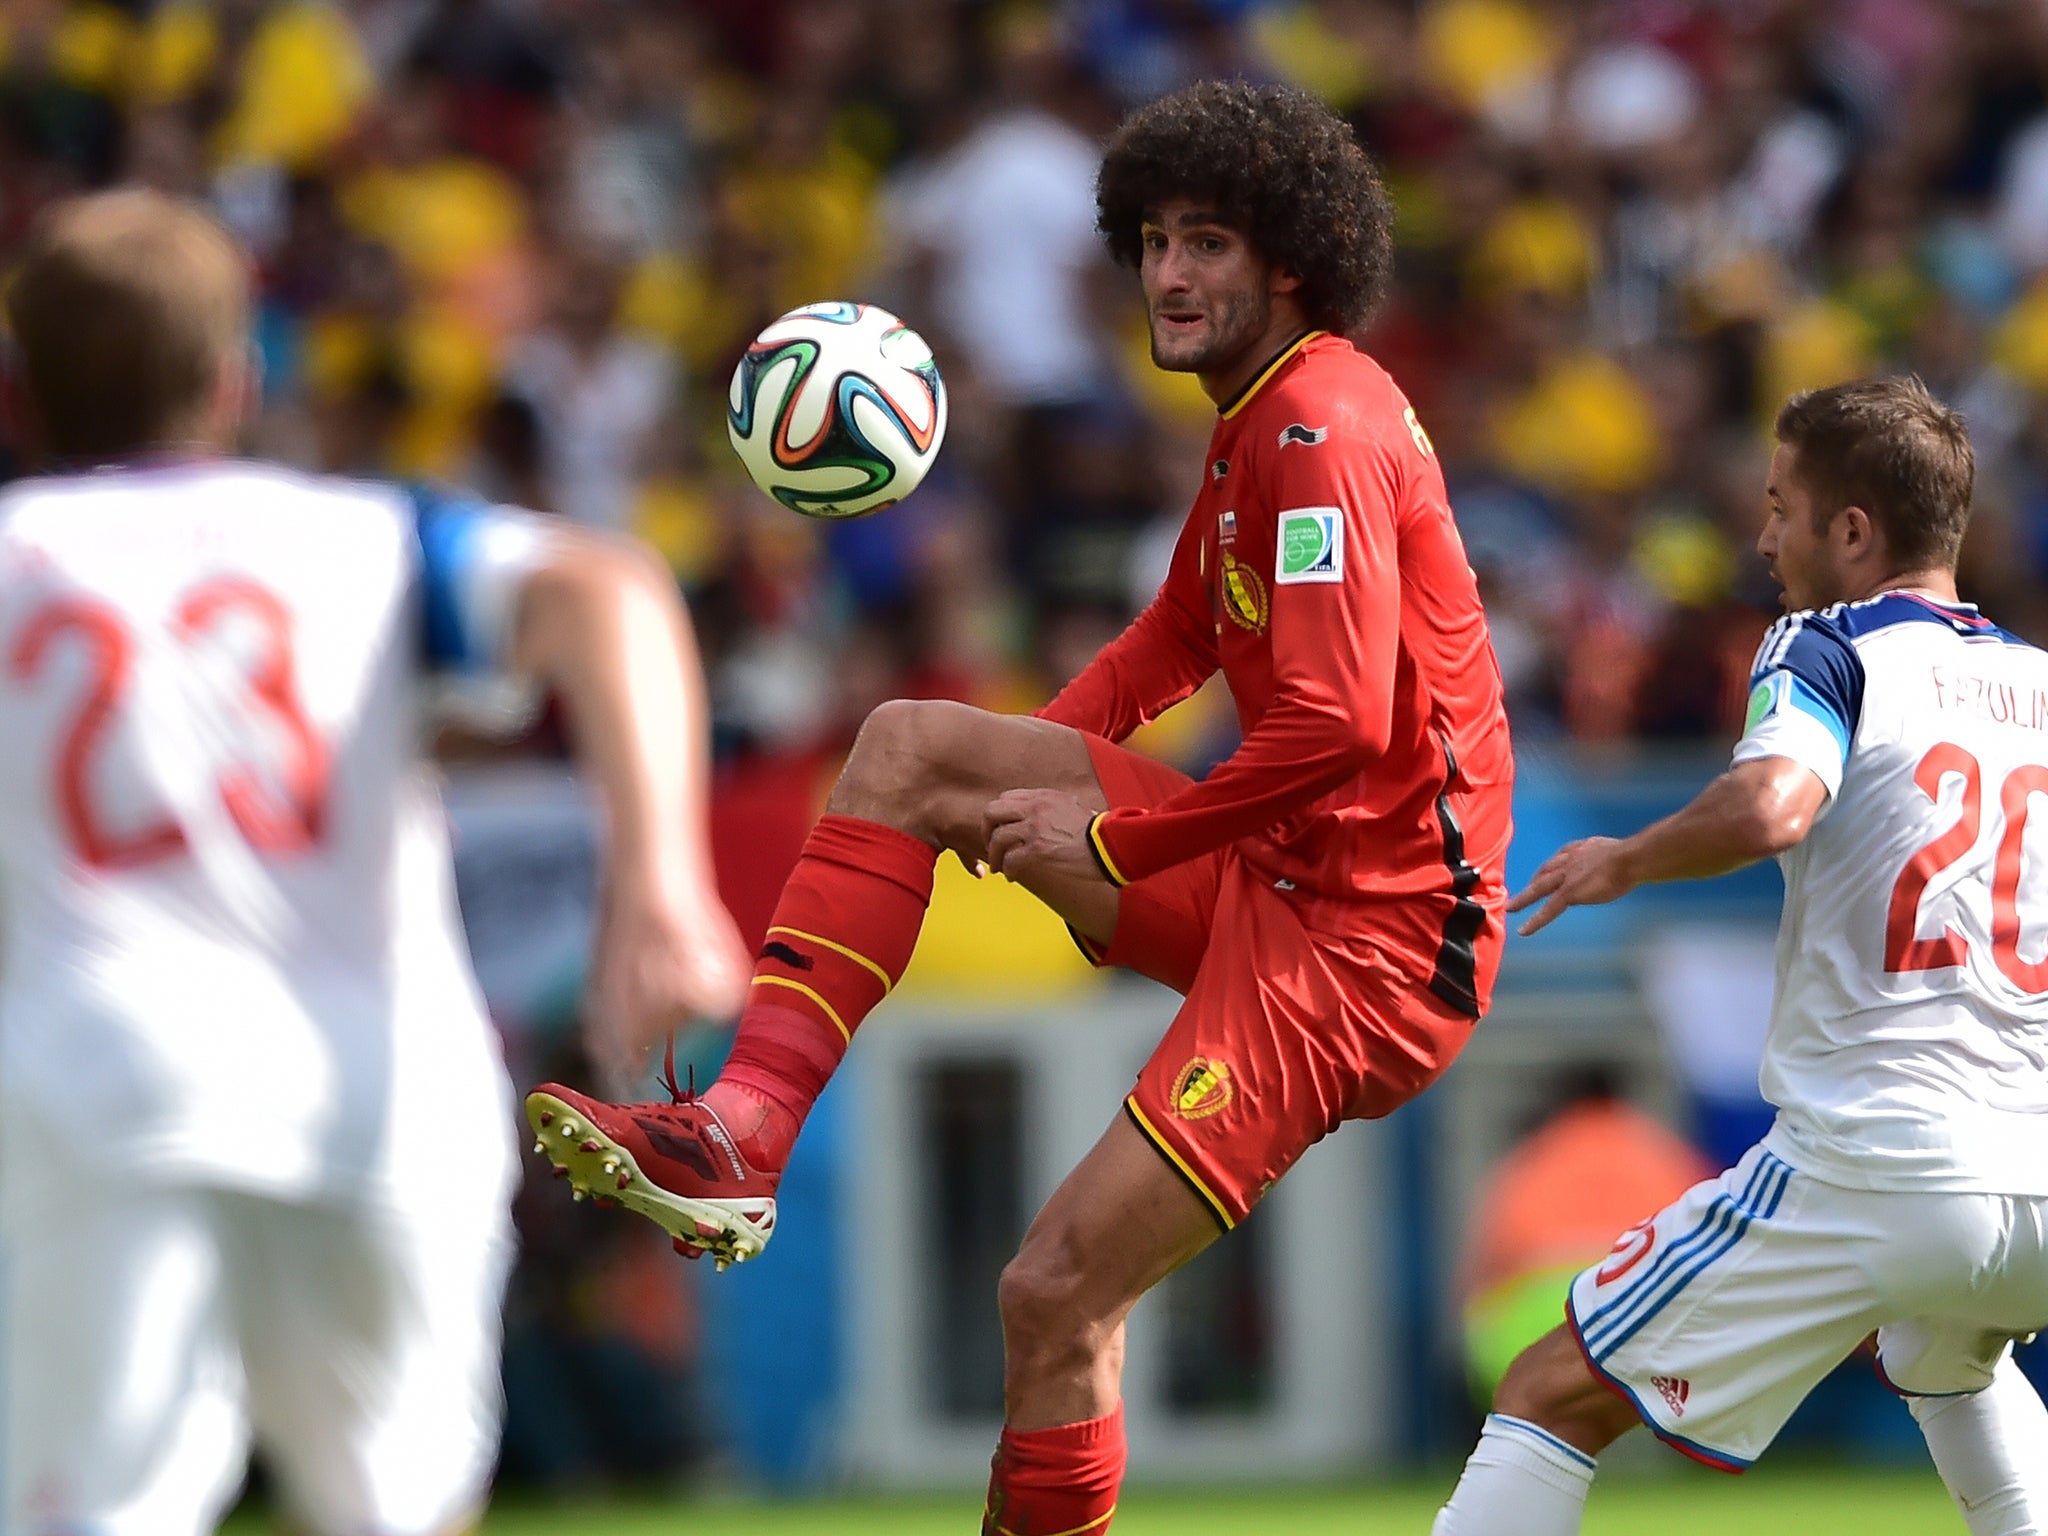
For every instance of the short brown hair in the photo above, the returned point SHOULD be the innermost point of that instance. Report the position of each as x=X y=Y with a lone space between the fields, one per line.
x=1891 y=448
x=1273 y=162
x=123 y=309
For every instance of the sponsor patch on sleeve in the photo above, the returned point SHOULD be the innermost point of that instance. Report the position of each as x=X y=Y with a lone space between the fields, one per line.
x=1763 y=698
x=1788 y=718
x=1311 y=546
x=1781 y=692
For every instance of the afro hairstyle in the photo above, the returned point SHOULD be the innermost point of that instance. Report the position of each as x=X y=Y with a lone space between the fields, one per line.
x=1274 y=163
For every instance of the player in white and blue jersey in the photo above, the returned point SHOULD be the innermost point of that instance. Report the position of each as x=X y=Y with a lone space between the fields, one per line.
x=1895 y=761
x=256 y=1155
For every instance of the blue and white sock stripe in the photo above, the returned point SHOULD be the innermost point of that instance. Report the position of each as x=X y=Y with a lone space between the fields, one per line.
x=1716 y=1235
x=1542 y=1437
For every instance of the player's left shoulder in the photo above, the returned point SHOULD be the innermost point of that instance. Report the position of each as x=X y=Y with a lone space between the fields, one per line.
x=299 y=504
x=1913 y=616
x=1341 y=400
x=1810 y=641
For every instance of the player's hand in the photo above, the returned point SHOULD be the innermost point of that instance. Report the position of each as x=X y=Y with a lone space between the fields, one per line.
x=1587 y=873
x=661 y=960
x=1039 y=832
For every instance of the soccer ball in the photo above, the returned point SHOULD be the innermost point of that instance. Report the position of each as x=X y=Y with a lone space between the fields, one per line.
x=837 y=410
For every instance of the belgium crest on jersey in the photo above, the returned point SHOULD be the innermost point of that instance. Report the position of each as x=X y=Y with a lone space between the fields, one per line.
x=1244 y=594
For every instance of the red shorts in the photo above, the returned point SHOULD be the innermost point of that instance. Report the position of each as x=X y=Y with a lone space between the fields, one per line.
x=1286 y=1030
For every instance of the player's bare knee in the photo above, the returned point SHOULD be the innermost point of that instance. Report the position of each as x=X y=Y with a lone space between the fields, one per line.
x=1043 y=1301
x=1034 y=1294
x=1550 y=1385
x=912 y=767
x=1542 y=1384
x=885 y=775
x=1521 y=1393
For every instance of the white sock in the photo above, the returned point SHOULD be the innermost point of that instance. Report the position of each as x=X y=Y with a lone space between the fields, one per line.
x=1520 y=1480
x=1991 y=1448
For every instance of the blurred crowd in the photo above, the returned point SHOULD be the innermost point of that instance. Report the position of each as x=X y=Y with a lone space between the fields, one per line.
x=519 y=243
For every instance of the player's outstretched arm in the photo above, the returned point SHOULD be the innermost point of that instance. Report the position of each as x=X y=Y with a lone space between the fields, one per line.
x=601 y=622
x=1755 y=810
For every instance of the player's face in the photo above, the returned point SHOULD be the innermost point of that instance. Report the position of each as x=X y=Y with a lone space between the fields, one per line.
x=1207 y=292
x=1798 y=550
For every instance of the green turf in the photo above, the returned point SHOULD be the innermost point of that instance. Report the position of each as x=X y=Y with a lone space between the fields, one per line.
x=1774 y=1502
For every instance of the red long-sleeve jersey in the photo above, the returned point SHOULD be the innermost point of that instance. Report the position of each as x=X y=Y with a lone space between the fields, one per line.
x=1321 y=571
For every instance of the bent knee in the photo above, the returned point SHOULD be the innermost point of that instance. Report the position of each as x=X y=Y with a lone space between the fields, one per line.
x=1044 y=1296
x=1038 y=1288
x=921 y=740
x=1546 y=1380
x=915 y=765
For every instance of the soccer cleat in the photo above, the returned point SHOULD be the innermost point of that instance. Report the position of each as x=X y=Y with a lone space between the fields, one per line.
x=675 y=1164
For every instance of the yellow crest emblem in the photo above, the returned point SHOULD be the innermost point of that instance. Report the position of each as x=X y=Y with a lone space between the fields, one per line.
x=1201 y=1088
x=1244 y=595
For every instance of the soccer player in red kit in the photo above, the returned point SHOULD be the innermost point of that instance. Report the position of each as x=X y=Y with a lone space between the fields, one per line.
x=1328 y=900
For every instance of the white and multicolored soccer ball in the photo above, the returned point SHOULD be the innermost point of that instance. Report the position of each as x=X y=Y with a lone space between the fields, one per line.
x=837 y=410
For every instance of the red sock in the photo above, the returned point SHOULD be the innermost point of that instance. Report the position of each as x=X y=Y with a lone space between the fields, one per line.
x=843 y=931
x=1056 y=1482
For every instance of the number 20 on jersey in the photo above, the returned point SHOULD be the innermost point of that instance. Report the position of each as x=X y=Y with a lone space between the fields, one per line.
x=1903 y=950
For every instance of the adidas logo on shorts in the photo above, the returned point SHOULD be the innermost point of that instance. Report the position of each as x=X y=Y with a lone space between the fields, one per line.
x=1674 y=1390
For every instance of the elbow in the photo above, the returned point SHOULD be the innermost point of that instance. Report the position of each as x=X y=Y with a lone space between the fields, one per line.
x=1777 y=823
x=1341 y=756
x=1781 y=833
x=1340 y=743
x=1365 y=739
x=603 y=570
x=622 y=565
x=1327 y=742
x=588 y=582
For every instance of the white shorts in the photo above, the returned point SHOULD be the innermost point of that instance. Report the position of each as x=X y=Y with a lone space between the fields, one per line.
x=149 y=1332
x=1717 y=1316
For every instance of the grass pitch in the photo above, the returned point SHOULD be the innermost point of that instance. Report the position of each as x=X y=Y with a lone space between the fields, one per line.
x=1771 y=1502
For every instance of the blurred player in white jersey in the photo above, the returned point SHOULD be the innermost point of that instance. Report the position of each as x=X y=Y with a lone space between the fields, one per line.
x=255 y=1154
x=1895 y=761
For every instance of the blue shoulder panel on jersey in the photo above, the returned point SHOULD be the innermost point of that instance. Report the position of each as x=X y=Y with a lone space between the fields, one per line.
x=1890 y=608
x=1826 y=672
x=447 y=522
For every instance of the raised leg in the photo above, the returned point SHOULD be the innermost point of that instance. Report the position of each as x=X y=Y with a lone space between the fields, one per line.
x=930 y=768
x=919 y=778
x=918 y=781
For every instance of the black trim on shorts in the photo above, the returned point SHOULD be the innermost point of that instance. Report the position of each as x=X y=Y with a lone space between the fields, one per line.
x=1095 y=954
x=1172 y=1160
x=1456 y=979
